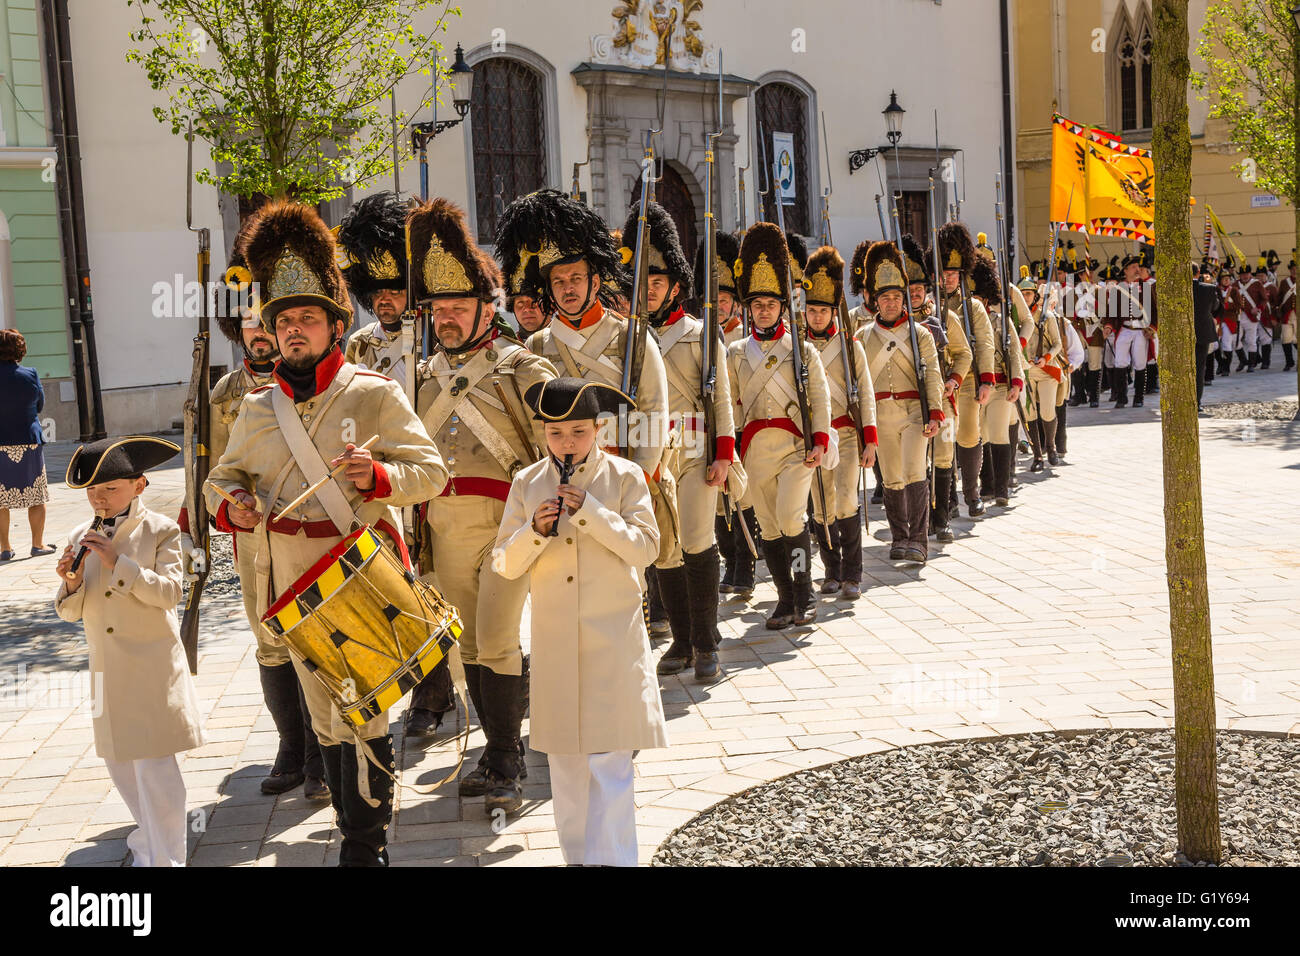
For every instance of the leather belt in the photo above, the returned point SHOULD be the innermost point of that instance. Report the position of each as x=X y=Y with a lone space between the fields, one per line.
x=758 y=424
x=899 y=396
x=480 y=487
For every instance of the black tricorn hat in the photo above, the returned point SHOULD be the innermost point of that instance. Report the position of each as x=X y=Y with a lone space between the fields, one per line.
x=956 y=251
x=763 y=266
x=372 y=245
x=112 y=459
x=857 y=278
x=567 y=399
x=728 y=251
x=291 y=255
x=239 y=280
x=666 y=255
x=917 y=263
x=883 y=269
x=446 y=261
x=553 y=229
x=984 y=277
x=824 y=277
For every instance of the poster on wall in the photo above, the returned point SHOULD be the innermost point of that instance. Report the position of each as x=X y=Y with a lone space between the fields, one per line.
x=783 y=152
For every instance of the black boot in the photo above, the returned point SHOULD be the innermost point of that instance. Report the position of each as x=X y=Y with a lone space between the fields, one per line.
x=1094 y=388
x=314 y=786
x=1153 y=378
x=1289 y=351
x=878 y=495
x=332 y=766
x=939 y=508
x=503 y=714
x=702 y=590
x=1036 y=430
x=828 y=546
x=365 y=828
x=850 y=532
x=1265 y=356
x=676 y=602
x=280 y=691
x=726 y=544
x=896 y=515
x=1242 y=360
x=1060 y=431
x=800 y=550
x=1139 y=388
x=1078 y=387
x=1113 y=375
x=969 y=459
x=1002 y=460
x=1049 y=441
x=1252 y=361
x=474 y=782
x=986 y=472
x=777 y=555
x=658 y=624
x=743 y=585
x=1121 y=396
x=917 y=496
x=433 y=697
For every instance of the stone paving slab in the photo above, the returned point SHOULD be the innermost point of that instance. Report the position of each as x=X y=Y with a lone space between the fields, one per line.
x=1052 y=615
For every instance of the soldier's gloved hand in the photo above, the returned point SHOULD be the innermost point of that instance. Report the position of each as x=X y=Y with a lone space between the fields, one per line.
x=187 y=553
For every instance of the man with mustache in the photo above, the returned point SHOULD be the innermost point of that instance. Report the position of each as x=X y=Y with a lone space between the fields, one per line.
x=373 y=260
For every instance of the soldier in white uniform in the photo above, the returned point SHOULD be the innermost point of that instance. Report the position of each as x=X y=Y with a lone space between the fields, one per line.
x=688 y=575
x=1008 y=379
x=1286 y=314
x=1133 y=324
x=372 y=245
x=777 y=461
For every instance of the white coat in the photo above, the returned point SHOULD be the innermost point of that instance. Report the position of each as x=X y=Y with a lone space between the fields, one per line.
x=594 y=688
x=147 y=707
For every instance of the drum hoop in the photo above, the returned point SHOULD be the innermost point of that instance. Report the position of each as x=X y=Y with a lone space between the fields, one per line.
x=437 y=637
x=338 y=559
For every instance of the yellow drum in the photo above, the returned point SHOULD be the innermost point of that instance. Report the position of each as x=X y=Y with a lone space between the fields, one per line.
x=366 y=626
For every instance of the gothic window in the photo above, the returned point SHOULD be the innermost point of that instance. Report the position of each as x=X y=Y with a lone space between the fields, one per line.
x=783 y=108
x=509 y=137
x=1133 y=53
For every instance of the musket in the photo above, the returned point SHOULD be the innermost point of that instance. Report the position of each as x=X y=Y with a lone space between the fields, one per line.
x=412 y=350
x=1004 y=280
x=796 y=348
x=918 y=363
x=521 y=432
x=198 y=432
x=740 y=172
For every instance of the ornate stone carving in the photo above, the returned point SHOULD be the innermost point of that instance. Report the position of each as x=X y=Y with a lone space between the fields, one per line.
x=648 y=32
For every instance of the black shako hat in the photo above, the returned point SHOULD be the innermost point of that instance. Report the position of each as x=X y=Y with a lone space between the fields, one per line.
x=569 y=399
x=112 y=459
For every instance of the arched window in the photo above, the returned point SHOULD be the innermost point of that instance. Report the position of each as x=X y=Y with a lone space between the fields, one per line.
x=508 y=124
x=674 y=195
x=782 y=108
x=1132 y=51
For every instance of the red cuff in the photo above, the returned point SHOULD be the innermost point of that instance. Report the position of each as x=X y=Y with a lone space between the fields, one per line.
x=987 y=379
x=821 y=438
x=223 y=518
x=383 y=488
x=936 y=415
x=1018 y=383
x=1024 y=342
x=869 y=435
x=184 y=520
x=955 y=379
x=726 y=448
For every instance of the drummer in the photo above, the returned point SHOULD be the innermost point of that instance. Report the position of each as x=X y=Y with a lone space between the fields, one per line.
x=313 y=418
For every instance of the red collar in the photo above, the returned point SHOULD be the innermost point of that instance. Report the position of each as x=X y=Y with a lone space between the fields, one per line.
x=824 y=336
x=326 y=369
x=677 y=314
x=731 y=326
x=892 y=325
x=589 y=318
x=255 y=374
x=780 y=331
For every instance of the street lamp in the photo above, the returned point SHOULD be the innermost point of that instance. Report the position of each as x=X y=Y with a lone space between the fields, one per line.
x=893 y=114
x=461 y=80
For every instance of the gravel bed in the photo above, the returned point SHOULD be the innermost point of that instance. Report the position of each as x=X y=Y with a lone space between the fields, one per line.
x=1283 y=410
x=1099 y=798
x=222 y=579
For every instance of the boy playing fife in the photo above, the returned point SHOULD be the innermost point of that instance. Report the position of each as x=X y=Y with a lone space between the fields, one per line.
x=581 y=523
x=121 y=576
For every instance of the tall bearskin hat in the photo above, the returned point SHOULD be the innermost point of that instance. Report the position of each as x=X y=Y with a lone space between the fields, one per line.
x=918 y=266
x=823 y=277
x=547 y=228
x=372 y=245
x=857 y=277
x=665 y=254
x=291 y=256
x=763 y=266
x=239 y=282
x=798 y=254
x=984 y=278
x=956 y=251
x=728 y=250
x=1068 y=261
x=883 y=269
x=445 y=260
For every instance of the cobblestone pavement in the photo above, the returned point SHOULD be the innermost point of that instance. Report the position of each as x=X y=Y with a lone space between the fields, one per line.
x=1051 y=615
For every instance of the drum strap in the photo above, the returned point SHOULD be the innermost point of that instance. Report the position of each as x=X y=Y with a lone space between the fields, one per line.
x=308 y=456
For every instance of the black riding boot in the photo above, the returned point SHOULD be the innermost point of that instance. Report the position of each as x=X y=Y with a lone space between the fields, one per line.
x=702 y=590
x=1049 y=441
x=1139 y=387
x=896 y=515
x=659 y=623
x=433 y=697
x=777 y=555
x=313 y=785
x=1121 y=396
x=968 y=460
x=1289 y=351
x=365 y=827
x=331 y=758
x=917 y=496
x=503 y=714
x=472 y=784
x=1252 y=361
x=676 y=603
x=878 y=495
x=1078 y=387
x=1153 y=378
x=1242 y=360
x=1265 y=355
x=743 y=584
x=1094 y=388
x=1060 y=430
x=800 y=550
x=280 y=691
x=850 y=532
x=828 y=546
x=986 y=472
x=1003 y=457
x=726 y=549
x=939 y=509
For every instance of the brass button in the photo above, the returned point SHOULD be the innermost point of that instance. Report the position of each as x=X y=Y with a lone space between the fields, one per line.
x=108 y=594
x=568 y=541
x=121 y=584
x=570 y=579
x=537 y=540
x=110 y=630
x=306 y=418
x=582 y=521
x=304 y=484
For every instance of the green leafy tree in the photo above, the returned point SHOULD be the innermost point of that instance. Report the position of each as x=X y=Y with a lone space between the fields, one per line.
x=1251 y=50
x=291 y=93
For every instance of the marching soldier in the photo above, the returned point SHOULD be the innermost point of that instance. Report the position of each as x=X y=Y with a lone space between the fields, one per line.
x=1008 y=379
x=522 y=303
x=904 y=431
x=1132 y=332
x=1229 y=318
x=688 y=574
x=1286 y=314
x=1078 y=305
x=861 y=315
x=305 y=424
x=1043 y=348
x=839 y=527
x=778 y=468
x=372 y=245
x=957 y=258
x=954 y=365
x=730 y=311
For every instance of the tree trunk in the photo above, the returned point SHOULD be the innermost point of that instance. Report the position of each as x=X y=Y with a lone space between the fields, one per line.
x=1195 y=778
x=1295 y=197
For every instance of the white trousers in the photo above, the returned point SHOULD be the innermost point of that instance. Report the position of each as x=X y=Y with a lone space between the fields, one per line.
x=1131 y=349
x=154 y=792
x=595 y=809
x=1227 y=339
x=1249 y=335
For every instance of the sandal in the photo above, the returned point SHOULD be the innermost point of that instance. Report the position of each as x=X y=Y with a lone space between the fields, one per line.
x=48 y=549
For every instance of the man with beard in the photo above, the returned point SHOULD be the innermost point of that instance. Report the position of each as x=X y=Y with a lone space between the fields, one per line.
x=310 y=421
x=373 y=260
x=470 y=400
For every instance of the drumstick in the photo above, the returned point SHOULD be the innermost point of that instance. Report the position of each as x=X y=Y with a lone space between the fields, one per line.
x=256 y=506
x=318 y=485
